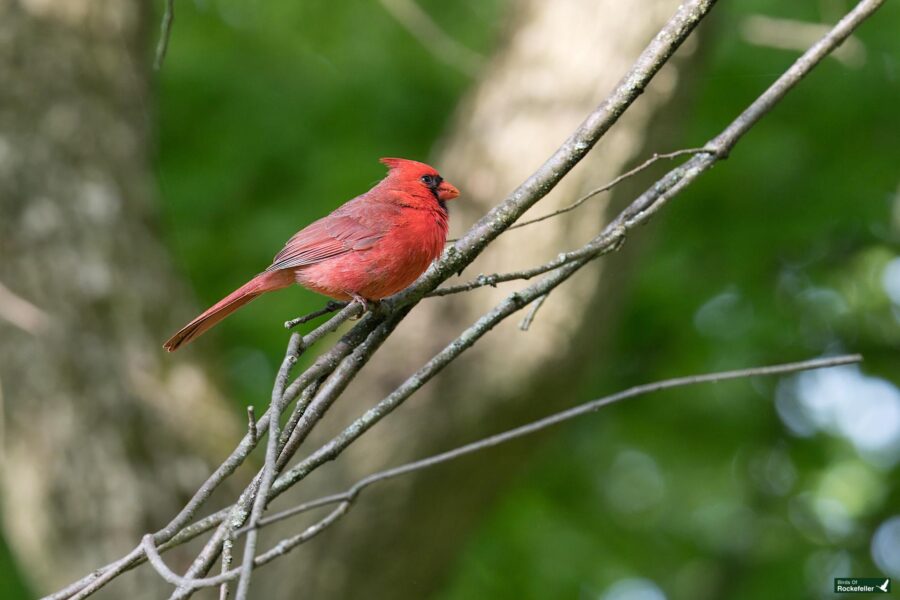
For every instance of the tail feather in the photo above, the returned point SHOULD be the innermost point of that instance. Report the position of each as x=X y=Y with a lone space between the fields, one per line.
x=264 y=282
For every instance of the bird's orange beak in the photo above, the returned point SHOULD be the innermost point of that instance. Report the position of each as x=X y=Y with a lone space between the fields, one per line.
x=446 y=191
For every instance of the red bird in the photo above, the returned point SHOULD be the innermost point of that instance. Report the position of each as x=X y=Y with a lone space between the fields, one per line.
x=369 y=248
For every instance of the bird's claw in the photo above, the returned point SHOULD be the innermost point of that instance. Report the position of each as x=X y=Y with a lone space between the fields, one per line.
x=362 y=302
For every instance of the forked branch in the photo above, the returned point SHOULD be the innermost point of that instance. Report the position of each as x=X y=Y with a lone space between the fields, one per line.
x=317 y=387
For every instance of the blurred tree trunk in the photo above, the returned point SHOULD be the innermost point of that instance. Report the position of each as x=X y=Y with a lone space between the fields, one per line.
x=98 y=437
x=558 y=60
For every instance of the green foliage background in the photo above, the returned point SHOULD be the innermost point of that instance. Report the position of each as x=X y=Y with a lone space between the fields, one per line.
x=779 y=253
x=270 y=114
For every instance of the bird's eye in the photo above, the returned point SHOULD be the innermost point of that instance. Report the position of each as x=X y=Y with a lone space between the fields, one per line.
x=431 y=181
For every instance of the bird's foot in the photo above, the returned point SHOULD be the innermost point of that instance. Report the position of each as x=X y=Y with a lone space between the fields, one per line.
x=362 y=302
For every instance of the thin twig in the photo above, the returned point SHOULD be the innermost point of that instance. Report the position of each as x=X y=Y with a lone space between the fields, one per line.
x=525 y=323
x=608 y=241
x=655 y=55
x=251 y=424
x=329 y=308
x=715 y=150
x=91 y=583
x=610 y=238
x=335 y=385
x=234 y=516
x=351 y=493
x=240 y=510
x=513 y=303
x=492 y=280
x=166 y=573
x=309 y=417
x=279 y=549
x=165 y=32
x=347 y=311
x=299 y=408
x=605 y=188
x=227 y=545
x=455 y=258
x=99 y=578
x=276 y=407
x=487 y=229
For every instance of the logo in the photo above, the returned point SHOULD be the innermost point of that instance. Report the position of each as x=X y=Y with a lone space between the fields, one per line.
x=862 y=585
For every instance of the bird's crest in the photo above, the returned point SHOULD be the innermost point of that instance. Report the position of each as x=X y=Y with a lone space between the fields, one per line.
x=397 y=163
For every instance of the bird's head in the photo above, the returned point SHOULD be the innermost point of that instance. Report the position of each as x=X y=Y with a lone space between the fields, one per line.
x=419 y=179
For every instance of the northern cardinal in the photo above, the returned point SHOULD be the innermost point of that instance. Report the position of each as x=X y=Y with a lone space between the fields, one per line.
x=367 y=249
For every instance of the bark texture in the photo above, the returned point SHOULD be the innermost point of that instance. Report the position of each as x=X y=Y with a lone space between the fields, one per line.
x=557 y=61
x=101 y=438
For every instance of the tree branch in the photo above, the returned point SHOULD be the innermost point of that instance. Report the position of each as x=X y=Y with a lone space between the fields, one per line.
x=329 y=308
x=639 y=211
x=579 y=143
x=170 y=576
x=525 y=324
x=346 y=498
x=165 y=32
x=605 y=188
x=566 y=415
x=276 y=407
x=376 y=325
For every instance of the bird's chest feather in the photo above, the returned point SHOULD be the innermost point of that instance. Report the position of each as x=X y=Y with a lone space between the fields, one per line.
x=414 y=240
x=418 y=236
x=410 y=246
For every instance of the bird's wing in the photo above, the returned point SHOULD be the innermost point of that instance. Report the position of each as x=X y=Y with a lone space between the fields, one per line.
x=357 y=225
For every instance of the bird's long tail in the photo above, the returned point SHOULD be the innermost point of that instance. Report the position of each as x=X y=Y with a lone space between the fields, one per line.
x=262 y=283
